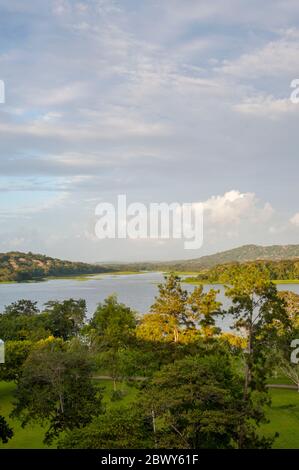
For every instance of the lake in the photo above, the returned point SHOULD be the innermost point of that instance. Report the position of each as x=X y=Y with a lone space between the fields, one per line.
x=135 y=290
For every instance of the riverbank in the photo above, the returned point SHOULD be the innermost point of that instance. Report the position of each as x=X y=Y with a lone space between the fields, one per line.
x=195 y=281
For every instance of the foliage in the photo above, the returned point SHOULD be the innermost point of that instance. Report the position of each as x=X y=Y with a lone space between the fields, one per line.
x=6 y=432
x=22 y=321
x=194 y=389
x=176 y=311
x=56 y=390
x=259 y=313
x=123 y=428
x=16 y=352
x=16 y=266
x=113 y=324
x=274 y=270
x=64 y=319
x=197 y=402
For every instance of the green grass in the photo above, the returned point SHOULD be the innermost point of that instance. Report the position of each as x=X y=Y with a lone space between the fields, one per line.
x=31 y=437
x=283 y=415
x=284 y=418
x=279 y=380
x=87 y=277
x=74 y=277
x=286 y=281
x=129 y=394
x=194 y=280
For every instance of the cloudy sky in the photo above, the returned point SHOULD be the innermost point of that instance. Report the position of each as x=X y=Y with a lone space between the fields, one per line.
x=164 y=101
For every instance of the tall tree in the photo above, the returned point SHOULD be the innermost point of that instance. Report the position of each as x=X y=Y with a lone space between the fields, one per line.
x=112 y=330
x=22 y=307
x=175 y=310
x=171 y=304
x=56 y=389
x=121 y=428
x=113 y=323
x=64 y=319
x=258 y=313
x=197 y=402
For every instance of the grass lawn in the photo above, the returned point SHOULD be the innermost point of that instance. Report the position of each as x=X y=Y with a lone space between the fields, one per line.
x=283 y=415
x=284 y=418
x=279 y=379
x=31 y=437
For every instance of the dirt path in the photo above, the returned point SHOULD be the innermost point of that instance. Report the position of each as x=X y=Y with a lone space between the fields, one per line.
x=287 y=386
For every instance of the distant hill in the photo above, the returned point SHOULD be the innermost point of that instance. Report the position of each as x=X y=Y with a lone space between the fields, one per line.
x=240 y=254
x=246 y=253
x=17 y=266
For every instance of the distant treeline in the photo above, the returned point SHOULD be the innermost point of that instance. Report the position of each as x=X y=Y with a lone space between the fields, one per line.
x=275 y=270
x=16 y=266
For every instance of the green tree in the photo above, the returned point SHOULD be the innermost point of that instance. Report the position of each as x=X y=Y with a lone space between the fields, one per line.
x=64 y=319
x=6 y=432
x=121 y=428
x=176 y=311
x=291 y=300
x=170 y=305
x=113 y=330
x=113 y=323
x=16 y=352
x=21 y=321
x=259 y=313
x=205 y=307
x=197 y=402
x=22 y=307
x=56 y=390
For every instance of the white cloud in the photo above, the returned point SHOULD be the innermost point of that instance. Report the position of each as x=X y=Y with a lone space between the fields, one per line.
x=277 y=57
x=234 y=207
x=295 y=219
x=266 y=106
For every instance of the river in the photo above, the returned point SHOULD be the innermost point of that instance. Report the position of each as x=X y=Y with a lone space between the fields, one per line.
x=135 y=290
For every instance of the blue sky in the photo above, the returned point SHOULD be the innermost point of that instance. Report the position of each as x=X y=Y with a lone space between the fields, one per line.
x=167 y=101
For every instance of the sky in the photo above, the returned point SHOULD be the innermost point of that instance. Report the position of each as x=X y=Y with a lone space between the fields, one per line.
x=163 y=101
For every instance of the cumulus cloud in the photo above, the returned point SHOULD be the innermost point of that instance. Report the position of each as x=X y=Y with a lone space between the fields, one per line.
x=295 y=219
x=234 y=206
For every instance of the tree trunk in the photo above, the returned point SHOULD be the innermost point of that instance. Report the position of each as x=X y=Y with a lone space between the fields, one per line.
x=248 y=363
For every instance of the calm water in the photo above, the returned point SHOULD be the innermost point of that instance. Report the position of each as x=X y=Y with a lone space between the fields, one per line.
x=135 y=290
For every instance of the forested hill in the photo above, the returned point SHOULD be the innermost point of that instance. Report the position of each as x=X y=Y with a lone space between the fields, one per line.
x=16 y=266
x=241 y=254
x=247 y=253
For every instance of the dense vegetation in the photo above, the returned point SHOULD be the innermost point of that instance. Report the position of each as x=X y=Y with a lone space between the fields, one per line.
x=195 y=386
x=274 y=270
x=241 y=254
x=16 y=266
